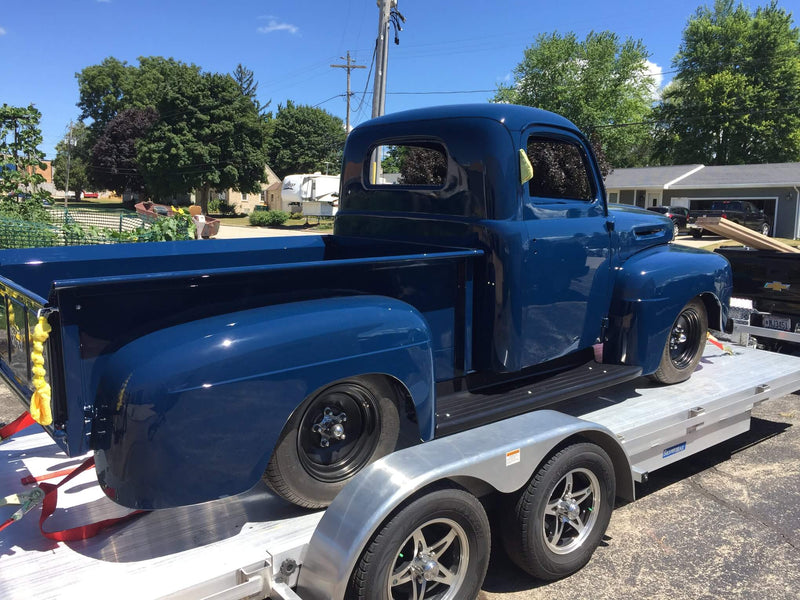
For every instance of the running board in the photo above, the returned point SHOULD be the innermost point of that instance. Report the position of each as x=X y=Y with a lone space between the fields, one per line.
x=465 y=410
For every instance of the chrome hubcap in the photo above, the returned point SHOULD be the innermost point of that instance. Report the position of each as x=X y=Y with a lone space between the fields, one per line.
x=571 y=513
x=431 y=569
x=330 y=427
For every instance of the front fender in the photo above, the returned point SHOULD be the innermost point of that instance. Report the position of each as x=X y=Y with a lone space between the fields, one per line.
x=650 y=290
x=191 y=413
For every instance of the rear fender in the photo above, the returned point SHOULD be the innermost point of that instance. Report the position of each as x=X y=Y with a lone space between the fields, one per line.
x=650 y=290
x=192 y=413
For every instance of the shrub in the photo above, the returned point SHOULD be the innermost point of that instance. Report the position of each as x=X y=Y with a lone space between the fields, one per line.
x=270 y=218
x=220 y=207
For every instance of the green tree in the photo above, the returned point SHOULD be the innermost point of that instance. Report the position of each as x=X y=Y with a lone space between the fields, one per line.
x=245 y=79
x=104 y=90
x=73 y=152
x=207 y=134
x=597 y=83
x=21 y=193
x=734 y=99
x=302 y=139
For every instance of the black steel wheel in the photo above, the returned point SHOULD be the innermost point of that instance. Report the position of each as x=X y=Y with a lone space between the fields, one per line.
x=684 y=345
x=330 y=438
x=552 y=528
x=435 y=548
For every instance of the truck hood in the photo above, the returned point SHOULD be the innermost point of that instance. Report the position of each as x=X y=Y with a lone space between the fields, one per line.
x=638 y=229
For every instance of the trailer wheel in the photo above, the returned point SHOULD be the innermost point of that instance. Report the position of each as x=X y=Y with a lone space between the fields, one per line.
x=684 y=346
x=555 y=524
x=436 y=547
x=331 y=437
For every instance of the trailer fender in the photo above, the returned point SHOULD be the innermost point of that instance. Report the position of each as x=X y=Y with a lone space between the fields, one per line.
x=214 y=394
x=503 y=455
x=650 y=290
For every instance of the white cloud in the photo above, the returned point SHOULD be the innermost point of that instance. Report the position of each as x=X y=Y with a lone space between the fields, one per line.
x=2 y=31
x=274 y=25
x=657 y=73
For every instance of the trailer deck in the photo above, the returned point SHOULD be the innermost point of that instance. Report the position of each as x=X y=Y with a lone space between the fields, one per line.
x=235 y=547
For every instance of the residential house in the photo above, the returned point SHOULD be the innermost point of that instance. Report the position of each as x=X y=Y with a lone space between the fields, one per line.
x=774 y=187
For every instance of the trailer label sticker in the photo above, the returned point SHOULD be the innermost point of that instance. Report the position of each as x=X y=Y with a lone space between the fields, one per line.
x=512 y=457
x=674 y=450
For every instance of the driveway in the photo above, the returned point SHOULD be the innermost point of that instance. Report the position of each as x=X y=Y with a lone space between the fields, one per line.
x=230 y=232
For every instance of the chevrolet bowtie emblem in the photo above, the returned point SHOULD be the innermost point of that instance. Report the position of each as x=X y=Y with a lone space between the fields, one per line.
x=777 y=286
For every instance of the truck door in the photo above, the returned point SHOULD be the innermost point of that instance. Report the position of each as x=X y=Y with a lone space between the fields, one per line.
x=566 y=272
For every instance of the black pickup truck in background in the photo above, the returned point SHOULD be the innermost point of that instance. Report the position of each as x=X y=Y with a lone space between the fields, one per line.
x=740 y=212
x=771 y=282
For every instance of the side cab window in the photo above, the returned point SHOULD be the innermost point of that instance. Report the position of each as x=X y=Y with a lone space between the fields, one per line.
x=560 y=170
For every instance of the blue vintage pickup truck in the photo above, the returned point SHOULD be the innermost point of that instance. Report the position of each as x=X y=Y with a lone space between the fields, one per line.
x=484 y=278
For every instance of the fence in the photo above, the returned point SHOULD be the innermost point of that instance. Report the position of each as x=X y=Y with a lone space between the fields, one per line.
x=74 y=227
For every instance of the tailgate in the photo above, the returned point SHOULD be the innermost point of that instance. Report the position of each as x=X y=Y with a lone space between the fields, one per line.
x=19 y=313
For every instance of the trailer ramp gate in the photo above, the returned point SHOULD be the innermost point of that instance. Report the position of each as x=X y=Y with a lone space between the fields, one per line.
x=255 y=544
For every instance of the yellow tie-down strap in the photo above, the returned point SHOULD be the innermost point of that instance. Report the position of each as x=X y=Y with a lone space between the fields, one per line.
x=40 y=408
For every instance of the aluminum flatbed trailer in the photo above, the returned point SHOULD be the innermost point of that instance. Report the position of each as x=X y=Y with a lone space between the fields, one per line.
x=255 y=545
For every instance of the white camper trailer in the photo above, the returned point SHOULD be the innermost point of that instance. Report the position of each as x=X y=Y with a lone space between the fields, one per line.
x=312 y=194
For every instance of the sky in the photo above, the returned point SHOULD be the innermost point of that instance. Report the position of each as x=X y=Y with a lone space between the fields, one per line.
x=465 y=48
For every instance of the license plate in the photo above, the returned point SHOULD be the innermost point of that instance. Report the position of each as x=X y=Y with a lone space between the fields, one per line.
x=773 y=322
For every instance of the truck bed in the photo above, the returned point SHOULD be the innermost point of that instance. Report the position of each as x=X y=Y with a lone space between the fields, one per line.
x=195 y=551
x=108 y=296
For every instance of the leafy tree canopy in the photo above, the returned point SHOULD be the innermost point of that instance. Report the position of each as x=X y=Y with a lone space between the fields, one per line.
x=303 y=139
x=245 y=79
x=735 y=97
x=113 y=156
x=207 y=134
x=21 y=160
x=597 y=83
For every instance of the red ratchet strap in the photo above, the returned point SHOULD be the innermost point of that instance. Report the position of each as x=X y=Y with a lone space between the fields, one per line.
x=76 y=533
x=17 y=425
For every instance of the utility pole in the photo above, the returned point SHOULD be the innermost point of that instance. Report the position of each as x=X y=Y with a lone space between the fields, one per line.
x=349 y=66
x=381 y=57
x=69 y=154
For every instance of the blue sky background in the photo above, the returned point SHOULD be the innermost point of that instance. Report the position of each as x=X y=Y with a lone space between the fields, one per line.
x=289 y=45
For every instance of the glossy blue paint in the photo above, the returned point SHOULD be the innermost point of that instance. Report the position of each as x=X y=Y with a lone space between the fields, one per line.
x=652 y=287
x=197 y=398
x=180 y=362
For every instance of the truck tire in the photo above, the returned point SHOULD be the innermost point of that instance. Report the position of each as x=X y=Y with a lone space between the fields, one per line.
x=697 y=233
x=684 y=346
x=332 y=436
x=437 y=546
x=555 y=524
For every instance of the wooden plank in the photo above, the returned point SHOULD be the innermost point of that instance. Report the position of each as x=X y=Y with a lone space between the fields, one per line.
x=739 y=233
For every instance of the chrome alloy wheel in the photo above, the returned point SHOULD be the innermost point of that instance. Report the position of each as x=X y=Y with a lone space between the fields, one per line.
x=428 y=570
x=571 y=511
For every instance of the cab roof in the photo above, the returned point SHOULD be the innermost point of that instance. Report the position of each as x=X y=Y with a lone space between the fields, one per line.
x=513 y=116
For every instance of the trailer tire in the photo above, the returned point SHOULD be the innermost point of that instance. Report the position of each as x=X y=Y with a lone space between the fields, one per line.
x=332 y=436
x=549 y=530
x=437 y=544
x=684 y=346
